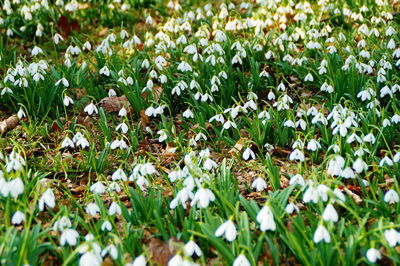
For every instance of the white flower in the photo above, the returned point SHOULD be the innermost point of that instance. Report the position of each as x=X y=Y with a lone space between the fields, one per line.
x=296 y=180
x=90 y=109
x=266 y=219
x=391 y=196
x=98 y=188
x=291 y=207
x=241 y=260
x=259 y=184
x=392 y=237
x=21 y=114
x=18 y=218
x=181 y=197
x=119 y=174
x=330 y=214
x=313 y=145
x=192 y=248
x=114 y=209
x=90 y=258
x=36 y=50
x=92 y=209
x=104 y=71
x=359 y=165
x=309 y=77
x=248 y=153
x=69 y=236
x=67 y=100
x=188 y=114
x=48 y=199
x=122 y=112
x=202 y=198
x=321 y=234
x=64 y=81
x=106 y=226
x=373 y=255
x=311 y=195
x=369 y=138
x=163 y=135
x=297 y=155
x=139 y=261
x=227 y=229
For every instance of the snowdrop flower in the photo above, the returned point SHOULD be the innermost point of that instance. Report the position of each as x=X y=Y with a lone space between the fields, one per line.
x=181 y=197
x=192 y=248
x=311 y=195
x=57 y=38
x=64 y=81
x=176 y=260
x=392 y=237
x=228 y=230
x=48 y=199
x=202 y=198
x=114 y=209
x=18 y=218
x=90 y=109
x=296 y=180
x=90 y=258
x=98 y=188
x=266 y=219
x=321 y=234
x=330 y=214
x=241 y=260
x=67 y=142
x=359 y=165
x=373 y=255
x=297 y=155
x=36 y=50
x=385 y=161
x=347 y=173
x=259 y=184
x=21 y=114
x=110 y=249
x=163 y=135
x=104 y=71
x=370 y=138
x=248 y=153
x=122 y=112
x=69 y=236
x=291 y=207
x=139 y=261
x=123 y=127
x=335 y=165
x=188 y=114
x=92 y=209
x=119 y=174
x=391 y=196
x=106 y=226
x=67 y=101
x=309 y=77
x=62 y=224
x=313 y=145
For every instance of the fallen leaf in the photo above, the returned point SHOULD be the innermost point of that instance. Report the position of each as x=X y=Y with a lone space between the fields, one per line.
x=8 y=124
x=115 y=103
x=161 y=252
x=67 y=26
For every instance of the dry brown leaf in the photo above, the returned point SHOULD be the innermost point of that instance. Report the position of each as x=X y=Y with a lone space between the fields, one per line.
x=238 y=146
x=8 y=124
x=114 y=103
x=103 y=32
x=156 y=92
x=160 y=251
x=144 y=119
